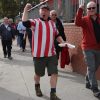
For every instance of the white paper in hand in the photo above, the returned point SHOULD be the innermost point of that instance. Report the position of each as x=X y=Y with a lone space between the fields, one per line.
x=68 y=44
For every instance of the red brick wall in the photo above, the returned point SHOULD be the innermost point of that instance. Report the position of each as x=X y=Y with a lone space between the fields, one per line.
x=74 y=36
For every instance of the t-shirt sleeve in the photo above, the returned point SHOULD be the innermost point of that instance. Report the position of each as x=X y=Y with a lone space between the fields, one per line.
x=29 y=23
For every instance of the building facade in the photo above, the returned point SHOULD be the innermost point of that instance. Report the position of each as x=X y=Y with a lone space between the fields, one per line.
x=67 y=8
x=66 y=11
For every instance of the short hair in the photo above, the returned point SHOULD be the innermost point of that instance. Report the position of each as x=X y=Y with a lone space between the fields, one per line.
x=91 y=2
x=45 y=7
x=5 y=18
x=10 y=19
x=53 y=11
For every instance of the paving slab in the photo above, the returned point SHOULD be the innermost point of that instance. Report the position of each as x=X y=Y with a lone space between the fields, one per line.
x=17 y=80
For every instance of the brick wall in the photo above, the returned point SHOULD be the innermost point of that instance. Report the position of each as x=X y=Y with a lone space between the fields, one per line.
x=74 y=36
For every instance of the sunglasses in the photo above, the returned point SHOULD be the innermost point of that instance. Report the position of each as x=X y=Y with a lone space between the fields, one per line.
x=54 y=15
x=91 y=8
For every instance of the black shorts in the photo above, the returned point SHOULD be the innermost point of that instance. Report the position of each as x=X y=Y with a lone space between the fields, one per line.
x=42 y=63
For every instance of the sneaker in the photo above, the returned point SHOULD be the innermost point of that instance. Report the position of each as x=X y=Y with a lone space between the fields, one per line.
x=23 y=50
x=5 y=56
x=10 y=58
x=38 y=91
x=96 y=93
x=88 y=86
x=53 y=96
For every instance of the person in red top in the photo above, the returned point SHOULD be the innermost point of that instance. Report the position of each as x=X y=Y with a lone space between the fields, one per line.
x=43 y=50
x=90 y=43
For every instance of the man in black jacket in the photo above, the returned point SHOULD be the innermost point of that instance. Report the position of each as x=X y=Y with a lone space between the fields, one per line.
x=7 y=35
x=60 y=28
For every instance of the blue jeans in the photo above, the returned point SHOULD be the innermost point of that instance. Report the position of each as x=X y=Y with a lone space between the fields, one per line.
x=92 y=58
x=30 y=42
x=18 y=40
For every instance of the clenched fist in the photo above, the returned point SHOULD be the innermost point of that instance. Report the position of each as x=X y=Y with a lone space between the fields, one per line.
x=28 y=7
x=81 y=6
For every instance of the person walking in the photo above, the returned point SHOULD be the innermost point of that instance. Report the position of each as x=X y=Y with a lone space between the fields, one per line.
x=7 y=35
x=60 y=28
x=22 y=31
x=43 y=48
x=17 y=32
x=29 y=34
x=90 y=43
x=13 y=25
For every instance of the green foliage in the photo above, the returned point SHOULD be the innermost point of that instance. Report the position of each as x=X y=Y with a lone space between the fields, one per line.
x=8 y=8
x=11 y=8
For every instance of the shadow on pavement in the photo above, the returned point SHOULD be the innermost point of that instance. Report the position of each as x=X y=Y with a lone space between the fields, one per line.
x=72 y=76
x=19 y=52
x=8 y=95
x=17 y=62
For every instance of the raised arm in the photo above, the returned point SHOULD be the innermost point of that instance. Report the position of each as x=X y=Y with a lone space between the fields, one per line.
x=79 y=20
x=25 y=13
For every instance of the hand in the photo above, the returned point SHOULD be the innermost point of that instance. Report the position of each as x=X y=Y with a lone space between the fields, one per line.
x=81 y=6
x=65 y=43
x=28 y=7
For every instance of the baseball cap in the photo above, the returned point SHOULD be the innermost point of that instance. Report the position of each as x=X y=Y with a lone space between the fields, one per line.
x=45 y=7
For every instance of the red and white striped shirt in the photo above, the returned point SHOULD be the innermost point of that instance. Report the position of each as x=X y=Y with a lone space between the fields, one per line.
x=43 y=38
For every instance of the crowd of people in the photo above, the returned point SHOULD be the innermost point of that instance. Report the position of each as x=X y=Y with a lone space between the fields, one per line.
x=9 y=31
x=44 y=34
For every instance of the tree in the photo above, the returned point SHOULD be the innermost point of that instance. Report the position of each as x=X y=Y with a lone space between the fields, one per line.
x=11 y=8
x=1 y=11
x=8 y=8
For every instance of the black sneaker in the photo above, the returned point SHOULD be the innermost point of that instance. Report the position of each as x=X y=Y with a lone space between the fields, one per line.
x=53 y=96
x=88 y=86
x=5 y=56
x=10 y=58
x=96 y=92
x=38 y=91
x=23 y=50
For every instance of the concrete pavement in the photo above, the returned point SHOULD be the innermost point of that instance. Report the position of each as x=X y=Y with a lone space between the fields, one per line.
x=16 y=80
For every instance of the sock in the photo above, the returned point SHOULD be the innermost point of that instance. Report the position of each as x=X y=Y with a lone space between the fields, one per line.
x=37 y=85
x=53 y=90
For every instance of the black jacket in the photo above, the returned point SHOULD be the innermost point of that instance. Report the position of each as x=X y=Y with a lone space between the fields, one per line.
x=6 y=33
x=60 y=29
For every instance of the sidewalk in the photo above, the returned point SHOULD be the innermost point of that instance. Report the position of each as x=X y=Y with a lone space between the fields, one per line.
x=16 y=80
